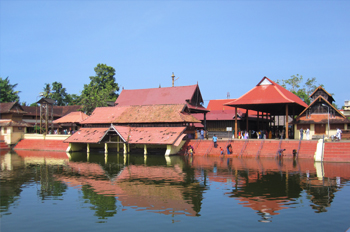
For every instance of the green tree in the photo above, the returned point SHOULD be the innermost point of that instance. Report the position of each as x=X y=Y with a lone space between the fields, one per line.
x=59 y=94
x=47 y=91
x=7 y=92
x=101 y=89
x=73 y=99
x=302 y=90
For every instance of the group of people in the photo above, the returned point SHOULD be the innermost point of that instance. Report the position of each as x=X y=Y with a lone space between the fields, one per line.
x=307 y=133
x=65 y=132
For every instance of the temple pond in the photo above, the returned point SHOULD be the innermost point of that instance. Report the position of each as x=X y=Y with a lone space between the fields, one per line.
x=51 y=191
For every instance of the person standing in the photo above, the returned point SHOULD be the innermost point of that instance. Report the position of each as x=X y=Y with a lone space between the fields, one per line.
x=215 y=139
x=338 y=133
x=301 y=133
x=202 y=134
x=307 y=133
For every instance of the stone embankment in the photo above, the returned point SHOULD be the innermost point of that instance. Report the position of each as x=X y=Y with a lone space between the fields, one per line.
x=253 y=148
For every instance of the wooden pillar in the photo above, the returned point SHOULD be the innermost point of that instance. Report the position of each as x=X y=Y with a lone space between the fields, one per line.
x=125 y=148
x=258 y=122
x=286 y=121
x=88 y=147
x=246 y=122
x=118 y=144
x=205 y=121
x=106 y=148
x=236 y=122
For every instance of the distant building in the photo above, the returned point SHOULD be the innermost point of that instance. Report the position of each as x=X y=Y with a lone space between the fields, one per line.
x=320 y=117
x=346 y=108
x=12 y=127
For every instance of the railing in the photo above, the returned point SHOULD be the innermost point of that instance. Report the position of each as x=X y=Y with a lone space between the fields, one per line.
x=298 y=148
x=260 y=147
x=244 y=147
x=279 y=147
x=209 y=149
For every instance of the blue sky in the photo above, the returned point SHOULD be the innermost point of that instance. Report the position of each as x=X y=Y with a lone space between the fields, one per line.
x=225 y=46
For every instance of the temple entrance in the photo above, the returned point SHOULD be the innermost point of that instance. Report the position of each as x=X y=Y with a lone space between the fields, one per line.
x=320 y=129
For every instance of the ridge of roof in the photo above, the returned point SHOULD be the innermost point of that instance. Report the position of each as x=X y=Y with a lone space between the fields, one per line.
x=314 y=101
x=166 y=95
x=6 y=107
x=288 y=96
x=320 y=87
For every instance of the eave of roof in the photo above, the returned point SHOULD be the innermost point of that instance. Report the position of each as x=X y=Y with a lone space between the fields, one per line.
x=268 y=98
x=325 y=102
x=131 y=135
x=9 y=123
x=87 y=135
x=72 y=117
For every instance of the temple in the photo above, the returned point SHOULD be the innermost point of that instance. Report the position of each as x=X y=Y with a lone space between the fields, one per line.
x=145 y=120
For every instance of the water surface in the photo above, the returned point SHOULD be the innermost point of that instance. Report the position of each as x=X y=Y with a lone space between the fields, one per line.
x=51 y=191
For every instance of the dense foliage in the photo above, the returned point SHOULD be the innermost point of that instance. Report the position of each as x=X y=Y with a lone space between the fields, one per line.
x=303 y=90
x=101 y=89
x=7 y=92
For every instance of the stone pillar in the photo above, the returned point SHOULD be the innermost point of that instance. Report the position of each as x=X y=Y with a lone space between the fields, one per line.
x=125 y=151
x=88 y=147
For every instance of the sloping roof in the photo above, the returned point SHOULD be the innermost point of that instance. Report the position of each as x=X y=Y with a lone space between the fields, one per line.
x=140 y=114
x=58 y=111
x=220 y=111
x=11 y=107
x=132 y=135
x=155 y=135
x=320 y=88
x=87 y=135
x=268 y=96
x=321 y=118
x=9 y=123
x=46 y=101
x=167 y=95
x=72 y=117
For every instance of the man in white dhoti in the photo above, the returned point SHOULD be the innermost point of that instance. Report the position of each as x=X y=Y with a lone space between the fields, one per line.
x=307 y=134
x=338 y=135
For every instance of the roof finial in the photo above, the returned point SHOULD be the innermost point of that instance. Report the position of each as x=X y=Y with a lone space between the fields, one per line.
x=173 y=79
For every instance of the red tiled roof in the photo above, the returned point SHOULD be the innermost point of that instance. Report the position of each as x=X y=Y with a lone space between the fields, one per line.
x=87 y=135
x=220 y=111
x=265 y=97
x=321 y=118
x=155 y=135
x=132 y=135
x=140 y=114
x=72 y=117
x=168 y=95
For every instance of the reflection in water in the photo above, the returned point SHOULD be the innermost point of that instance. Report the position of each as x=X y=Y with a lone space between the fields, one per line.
x=171 y=185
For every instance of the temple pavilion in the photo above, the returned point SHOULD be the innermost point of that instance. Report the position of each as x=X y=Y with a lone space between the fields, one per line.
x=269 y=99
